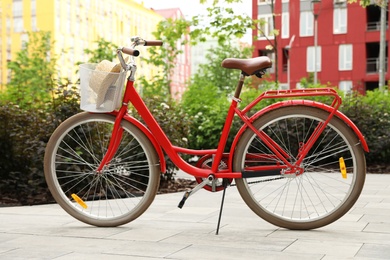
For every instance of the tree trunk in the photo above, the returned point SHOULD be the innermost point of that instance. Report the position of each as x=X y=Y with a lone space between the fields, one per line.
x=382 y=47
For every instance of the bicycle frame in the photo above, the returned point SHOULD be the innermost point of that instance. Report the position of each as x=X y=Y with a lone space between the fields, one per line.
x=162 y=143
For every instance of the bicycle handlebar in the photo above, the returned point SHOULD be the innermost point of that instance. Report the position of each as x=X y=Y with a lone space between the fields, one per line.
x=153 y=43
x=130 y=51
x=134 y=52
x=138 y=41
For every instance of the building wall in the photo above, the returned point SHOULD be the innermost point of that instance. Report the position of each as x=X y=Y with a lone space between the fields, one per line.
x=75 y=25
x=356 y=35
x=200 y=51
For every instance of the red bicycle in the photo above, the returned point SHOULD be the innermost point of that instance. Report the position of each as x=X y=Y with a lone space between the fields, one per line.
x=298 y=163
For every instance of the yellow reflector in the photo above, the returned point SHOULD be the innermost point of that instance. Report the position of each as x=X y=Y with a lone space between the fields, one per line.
x=343 y=169
x=79 y=201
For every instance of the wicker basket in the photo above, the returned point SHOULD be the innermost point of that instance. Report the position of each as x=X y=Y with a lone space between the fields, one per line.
x=100 y=91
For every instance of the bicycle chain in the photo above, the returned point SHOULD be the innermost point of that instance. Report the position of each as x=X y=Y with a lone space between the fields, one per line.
x=253 y=182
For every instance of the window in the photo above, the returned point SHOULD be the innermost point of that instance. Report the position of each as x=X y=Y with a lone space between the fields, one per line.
x=18 y=24
x=266 y=26
x=17 y=8
x=8 y=25
x=285 y=25
x=340 y=20
x=9 y=55
x=34 y=27
x=260 y=2
x=345 y=86
x=33 y=7
x=283 y=86
x=9 y=74
x=17 y=11
x=345 y=57
x=306 y=24
x=271 y=55
x=311 y=58
x=69 y=17
x=24 y=40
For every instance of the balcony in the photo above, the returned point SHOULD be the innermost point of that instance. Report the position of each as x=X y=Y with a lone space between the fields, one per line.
x=373 y=13
x=373 y=65
x=375 y=26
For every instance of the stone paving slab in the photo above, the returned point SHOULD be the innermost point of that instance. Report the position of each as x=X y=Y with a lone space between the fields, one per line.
x=166 y=232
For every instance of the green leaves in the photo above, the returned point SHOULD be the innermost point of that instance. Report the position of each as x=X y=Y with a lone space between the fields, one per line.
x=371 y=114
x=104 y=51
x=32 y=71
x=363 y=3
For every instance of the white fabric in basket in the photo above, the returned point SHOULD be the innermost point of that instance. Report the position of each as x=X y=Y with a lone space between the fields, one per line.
x=100 y=82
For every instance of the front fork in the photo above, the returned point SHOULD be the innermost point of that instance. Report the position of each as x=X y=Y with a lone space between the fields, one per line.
x=115 y=140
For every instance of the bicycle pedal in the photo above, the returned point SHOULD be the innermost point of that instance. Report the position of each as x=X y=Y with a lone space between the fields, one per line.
x=183 y=200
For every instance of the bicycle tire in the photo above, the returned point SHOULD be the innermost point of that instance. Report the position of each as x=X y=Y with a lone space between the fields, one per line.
x=118 y=194
x=320 y=195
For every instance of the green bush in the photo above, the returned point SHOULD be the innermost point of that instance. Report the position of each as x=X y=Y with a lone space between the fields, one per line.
x=207 y=107
x=371 y=114
x=23 y=137
x=22 y=142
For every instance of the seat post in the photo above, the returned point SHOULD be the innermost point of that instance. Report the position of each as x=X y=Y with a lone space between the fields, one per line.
x=239 y=85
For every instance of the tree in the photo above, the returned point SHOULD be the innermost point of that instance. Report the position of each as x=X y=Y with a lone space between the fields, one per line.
x=224 y=79
x=382 y=47
x=220 y=23
x=274 y=42
x=227 y=24
x=172 y=32
x=206 y=99
x=105 y=51
x=32 y=72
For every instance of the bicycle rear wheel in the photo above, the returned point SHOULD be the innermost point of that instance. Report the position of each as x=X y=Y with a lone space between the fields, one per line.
x=323 y=192
x=118 y=194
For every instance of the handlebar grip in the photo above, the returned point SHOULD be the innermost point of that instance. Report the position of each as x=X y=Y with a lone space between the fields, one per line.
x=154 y=43
x=130 y=51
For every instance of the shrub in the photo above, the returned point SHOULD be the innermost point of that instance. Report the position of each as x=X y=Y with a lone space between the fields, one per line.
x=371 y=114
x=23 y=137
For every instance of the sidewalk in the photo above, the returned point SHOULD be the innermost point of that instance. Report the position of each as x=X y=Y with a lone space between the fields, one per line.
x=166 y=232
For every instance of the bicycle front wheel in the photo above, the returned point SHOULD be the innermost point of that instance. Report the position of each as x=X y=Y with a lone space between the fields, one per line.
x=119 y=193
x=324 y=191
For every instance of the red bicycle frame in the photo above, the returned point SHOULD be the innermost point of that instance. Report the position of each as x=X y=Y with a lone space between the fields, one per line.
x=161 y=142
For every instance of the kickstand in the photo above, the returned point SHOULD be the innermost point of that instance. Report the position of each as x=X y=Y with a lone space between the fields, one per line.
x=225 y=184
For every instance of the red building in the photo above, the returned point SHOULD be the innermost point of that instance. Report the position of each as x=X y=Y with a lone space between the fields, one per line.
x=347 y=39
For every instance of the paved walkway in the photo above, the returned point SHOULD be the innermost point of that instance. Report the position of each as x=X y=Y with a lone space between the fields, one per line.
x=166 y=232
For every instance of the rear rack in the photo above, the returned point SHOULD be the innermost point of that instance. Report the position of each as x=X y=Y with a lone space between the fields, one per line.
x=294 y=93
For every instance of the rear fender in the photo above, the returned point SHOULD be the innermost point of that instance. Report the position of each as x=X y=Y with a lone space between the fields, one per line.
x=308 y=103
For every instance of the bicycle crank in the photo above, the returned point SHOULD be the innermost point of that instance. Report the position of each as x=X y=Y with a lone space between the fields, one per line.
x=187 y=194
x=205 y=163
